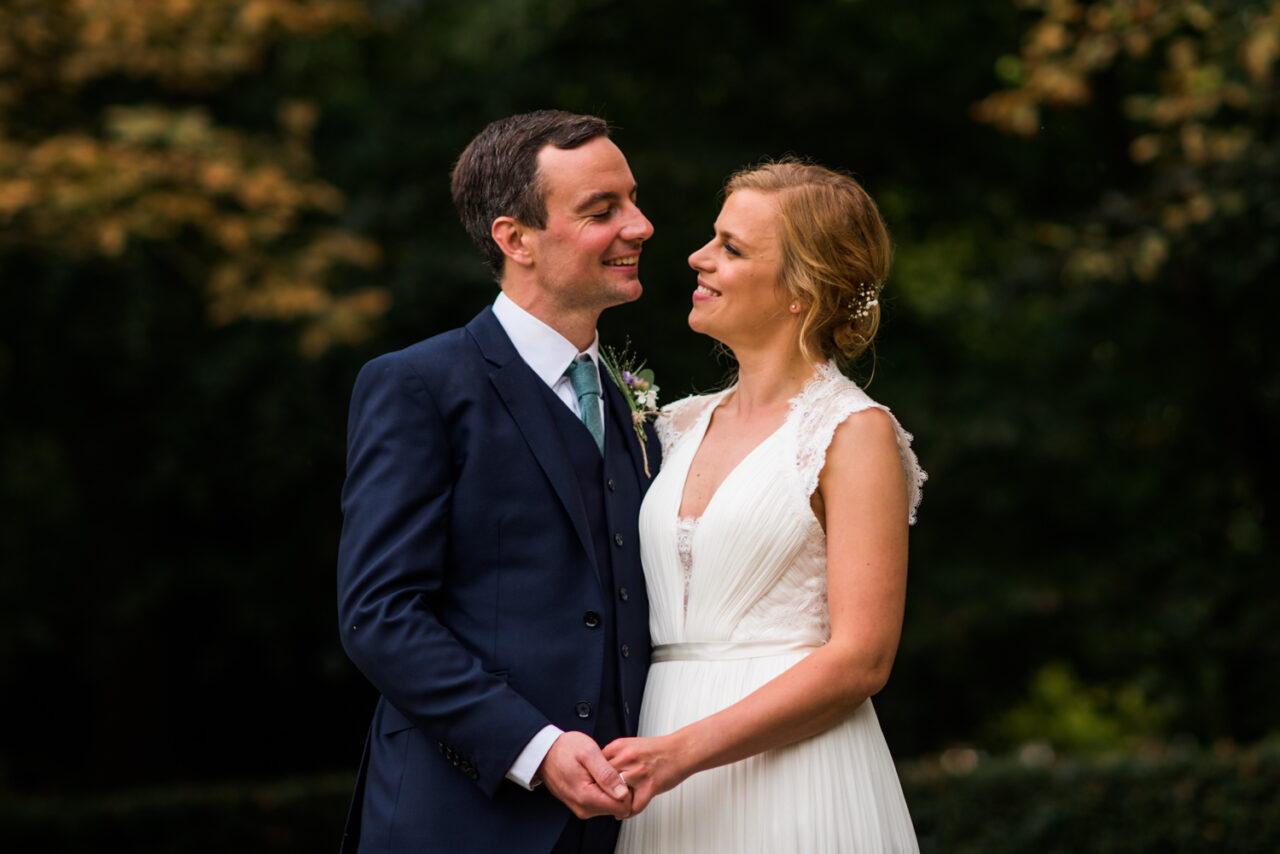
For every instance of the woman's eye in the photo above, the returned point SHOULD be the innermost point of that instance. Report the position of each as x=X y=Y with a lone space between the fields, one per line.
x=732 y=250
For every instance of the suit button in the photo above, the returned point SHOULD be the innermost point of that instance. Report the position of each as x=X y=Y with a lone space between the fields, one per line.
x=626 y=651
x=617 y=538
x=591 y=619
x=623 y=594
x=610 y=484
x=626 y=708
x=583 y=709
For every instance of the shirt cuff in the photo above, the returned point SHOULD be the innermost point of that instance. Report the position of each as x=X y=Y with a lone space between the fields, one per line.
x=530 y=759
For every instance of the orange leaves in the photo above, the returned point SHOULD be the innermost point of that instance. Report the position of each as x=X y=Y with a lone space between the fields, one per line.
x=1201 y=64
x=1207 y=96
x=291 y=287
x=247 y=207
x=298 y=118
x=1261 y=47
x=161 y=170
x=185 y=43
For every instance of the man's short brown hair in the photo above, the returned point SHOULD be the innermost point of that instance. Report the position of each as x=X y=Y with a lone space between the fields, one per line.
x=497 y=174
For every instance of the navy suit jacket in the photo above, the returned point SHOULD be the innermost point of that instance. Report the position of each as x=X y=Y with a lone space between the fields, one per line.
x=468 y=591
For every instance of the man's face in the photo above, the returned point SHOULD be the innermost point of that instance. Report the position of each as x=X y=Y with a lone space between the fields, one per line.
x=588 y=255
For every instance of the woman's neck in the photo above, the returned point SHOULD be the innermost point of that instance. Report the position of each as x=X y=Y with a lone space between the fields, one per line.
x=768 y=380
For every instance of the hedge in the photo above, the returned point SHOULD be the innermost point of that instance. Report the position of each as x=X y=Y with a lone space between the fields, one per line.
x=1185 y=801
x=1190 y=800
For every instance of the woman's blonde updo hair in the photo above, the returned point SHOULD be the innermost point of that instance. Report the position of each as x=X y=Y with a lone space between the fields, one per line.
x=835 y=254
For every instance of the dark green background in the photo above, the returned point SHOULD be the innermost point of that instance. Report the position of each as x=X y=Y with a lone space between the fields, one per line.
x=1092 y=566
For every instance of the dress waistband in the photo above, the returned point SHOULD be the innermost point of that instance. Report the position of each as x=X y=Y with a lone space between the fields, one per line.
x=726 y=650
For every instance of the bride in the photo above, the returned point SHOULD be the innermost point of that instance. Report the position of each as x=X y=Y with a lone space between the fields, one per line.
x=774 y=543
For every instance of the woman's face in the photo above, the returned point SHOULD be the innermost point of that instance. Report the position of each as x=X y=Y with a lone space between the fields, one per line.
x=738 y=298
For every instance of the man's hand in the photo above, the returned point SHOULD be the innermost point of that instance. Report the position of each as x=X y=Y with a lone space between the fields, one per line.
x=575 y=771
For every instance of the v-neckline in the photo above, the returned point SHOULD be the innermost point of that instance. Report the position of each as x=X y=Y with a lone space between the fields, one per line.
x=705 y=426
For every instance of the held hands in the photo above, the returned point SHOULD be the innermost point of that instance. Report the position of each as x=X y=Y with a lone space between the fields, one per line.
x=576 y=772
x=651 y=766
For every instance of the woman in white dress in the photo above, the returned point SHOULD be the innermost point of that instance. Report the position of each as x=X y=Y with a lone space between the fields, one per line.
x=775 y=546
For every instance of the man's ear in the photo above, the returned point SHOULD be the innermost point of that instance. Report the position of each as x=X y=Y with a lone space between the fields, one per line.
x=513 y=238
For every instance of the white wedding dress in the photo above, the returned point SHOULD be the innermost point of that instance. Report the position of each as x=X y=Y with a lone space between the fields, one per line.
x=737 y=596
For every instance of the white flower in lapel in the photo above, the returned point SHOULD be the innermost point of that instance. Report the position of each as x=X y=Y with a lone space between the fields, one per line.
x=638 y=389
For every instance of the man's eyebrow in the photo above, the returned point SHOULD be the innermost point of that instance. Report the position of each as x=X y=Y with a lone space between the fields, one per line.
x=598 y=197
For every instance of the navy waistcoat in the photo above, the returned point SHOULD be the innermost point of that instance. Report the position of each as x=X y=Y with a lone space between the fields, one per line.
x=599 y=478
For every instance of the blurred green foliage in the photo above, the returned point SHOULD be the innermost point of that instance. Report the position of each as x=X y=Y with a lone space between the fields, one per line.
x=1175 y=800
x=1077 y=718
x=1188 y=801
x=1097 y=411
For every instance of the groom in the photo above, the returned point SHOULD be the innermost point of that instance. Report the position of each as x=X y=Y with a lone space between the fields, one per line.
x=489 y=580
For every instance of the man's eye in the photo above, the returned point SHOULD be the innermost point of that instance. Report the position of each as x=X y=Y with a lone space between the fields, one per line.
x=602 y=214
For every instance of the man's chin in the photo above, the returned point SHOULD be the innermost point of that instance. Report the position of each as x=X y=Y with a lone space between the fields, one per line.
x=629 y=292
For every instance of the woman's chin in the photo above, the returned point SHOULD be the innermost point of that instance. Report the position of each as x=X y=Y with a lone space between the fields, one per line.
x=699 y=325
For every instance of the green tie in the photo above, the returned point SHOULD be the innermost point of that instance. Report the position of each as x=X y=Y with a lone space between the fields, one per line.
x=586 y=385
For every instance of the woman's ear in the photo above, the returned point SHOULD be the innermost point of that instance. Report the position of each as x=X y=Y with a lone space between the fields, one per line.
x=512 y=238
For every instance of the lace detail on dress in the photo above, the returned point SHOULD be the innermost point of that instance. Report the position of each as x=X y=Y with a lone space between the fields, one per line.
x=679 y=416
x=812 y=604
x=685 y=526
x=822 y=406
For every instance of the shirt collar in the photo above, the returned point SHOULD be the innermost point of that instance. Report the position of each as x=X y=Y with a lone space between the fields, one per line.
x=546 y=351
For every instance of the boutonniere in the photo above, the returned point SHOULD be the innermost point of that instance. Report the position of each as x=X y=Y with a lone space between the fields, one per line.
x=637 y=387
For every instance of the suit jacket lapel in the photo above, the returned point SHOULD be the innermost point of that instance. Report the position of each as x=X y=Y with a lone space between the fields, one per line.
x=517 y=385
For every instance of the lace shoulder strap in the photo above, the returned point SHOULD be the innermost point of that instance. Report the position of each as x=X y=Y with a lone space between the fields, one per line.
x=822 y=406
x=679 y=416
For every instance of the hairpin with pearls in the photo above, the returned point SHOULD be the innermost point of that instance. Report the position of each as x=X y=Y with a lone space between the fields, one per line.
x=867 y=299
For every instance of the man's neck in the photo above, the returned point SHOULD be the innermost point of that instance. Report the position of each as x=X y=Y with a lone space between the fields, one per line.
x=578 y=327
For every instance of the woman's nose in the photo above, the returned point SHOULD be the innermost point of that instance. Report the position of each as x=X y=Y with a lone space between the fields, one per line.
x=700 y=259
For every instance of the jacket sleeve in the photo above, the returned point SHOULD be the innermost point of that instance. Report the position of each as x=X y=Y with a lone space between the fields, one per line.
x=396 y=504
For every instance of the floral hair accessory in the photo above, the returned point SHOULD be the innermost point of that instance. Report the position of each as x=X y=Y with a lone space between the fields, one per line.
x=637 y=387
x=868 y=297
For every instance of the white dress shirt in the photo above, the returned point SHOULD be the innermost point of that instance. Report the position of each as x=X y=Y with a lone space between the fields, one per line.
x=544 y=350
x=548 y=353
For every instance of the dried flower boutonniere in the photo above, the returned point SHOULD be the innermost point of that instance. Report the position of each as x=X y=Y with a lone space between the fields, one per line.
x=637 y=387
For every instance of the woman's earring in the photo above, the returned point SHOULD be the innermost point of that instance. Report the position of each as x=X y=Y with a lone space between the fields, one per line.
x=795 y=306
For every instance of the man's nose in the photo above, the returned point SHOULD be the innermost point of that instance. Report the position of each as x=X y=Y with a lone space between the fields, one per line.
x=638 y=226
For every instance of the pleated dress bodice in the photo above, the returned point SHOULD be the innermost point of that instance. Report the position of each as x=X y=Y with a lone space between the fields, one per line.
x=758 y=554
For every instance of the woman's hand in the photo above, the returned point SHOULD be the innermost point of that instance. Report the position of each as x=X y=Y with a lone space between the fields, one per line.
x=650 y=766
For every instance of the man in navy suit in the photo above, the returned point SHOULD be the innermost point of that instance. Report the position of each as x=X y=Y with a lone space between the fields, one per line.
x=489 y=580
